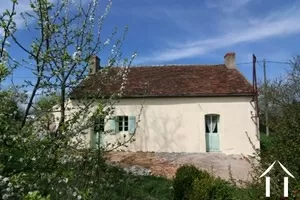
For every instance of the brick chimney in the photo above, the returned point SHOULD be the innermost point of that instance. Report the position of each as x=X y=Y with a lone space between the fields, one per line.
x=94 y=64
x=229 y=60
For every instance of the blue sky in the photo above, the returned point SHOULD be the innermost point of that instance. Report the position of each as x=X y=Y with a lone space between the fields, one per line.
x=190 y=32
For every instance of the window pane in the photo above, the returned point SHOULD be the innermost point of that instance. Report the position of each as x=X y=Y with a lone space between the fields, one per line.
x=96 y=126
x=102 y=126
x=126 y=128
x=214 y=123
x=120 y=126
x=120 y=118
x=211 y=123
x=206 y=128
x=216 y=129
x=126 y=118
x=207 y=123
x=120 y=123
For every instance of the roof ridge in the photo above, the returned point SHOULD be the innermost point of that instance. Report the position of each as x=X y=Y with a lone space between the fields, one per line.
x=178 y=65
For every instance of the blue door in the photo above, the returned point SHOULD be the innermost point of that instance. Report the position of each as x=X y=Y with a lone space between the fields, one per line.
x=212 y=133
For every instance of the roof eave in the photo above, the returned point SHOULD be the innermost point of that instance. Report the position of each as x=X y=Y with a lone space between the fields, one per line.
x=180 y=96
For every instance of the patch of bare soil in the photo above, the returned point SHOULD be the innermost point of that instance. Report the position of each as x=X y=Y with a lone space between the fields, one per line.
x=166 y=164
x=157 y=165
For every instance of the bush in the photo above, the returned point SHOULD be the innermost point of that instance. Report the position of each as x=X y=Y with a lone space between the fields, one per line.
x=211 y=189
x=183 y=181
x=35 y=196
x=266 y=142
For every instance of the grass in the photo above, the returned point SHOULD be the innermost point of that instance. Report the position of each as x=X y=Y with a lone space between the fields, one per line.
x=142 y=187
x=138 y=187
x=149 y=187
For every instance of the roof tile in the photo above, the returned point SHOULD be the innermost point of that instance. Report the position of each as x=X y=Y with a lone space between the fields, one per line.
x=168 y=81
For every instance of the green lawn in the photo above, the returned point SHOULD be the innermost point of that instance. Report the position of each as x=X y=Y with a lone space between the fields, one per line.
x=138 y=187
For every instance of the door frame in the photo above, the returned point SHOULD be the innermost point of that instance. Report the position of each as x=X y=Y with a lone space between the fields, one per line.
x=208 y=145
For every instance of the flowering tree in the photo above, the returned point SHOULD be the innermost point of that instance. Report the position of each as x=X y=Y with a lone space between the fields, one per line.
x=42 y=163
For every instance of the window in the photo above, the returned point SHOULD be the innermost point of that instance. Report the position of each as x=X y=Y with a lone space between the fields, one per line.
x=99 y=124
x=211 y=123
x=122 y=123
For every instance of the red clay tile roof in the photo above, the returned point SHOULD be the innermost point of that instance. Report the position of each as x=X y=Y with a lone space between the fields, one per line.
x=169 y=81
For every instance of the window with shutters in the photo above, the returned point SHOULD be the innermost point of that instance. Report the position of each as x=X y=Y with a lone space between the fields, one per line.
x=122 y=122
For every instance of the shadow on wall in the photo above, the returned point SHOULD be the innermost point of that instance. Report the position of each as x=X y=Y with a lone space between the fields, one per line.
x=159 y=130
x=163 y=125
x=176 y=124
x=166 y=129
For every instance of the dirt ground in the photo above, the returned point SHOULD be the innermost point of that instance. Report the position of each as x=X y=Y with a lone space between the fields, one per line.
x=165 y=164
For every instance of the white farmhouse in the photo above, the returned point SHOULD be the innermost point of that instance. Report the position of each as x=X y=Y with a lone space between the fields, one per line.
x=186 y=108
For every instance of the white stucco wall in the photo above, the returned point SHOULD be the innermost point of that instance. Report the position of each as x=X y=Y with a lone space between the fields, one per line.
x=178 y=124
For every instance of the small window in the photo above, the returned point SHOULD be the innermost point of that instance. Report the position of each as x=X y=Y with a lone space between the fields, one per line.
x=122 y=123
x=211 y=123
x=99 y=124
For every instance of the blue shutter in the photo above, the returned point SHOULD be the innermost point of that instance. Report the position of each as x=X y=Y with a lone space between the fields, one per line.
x=93 y=139
x=112 y=125
x=131 y=124
x=97 y=134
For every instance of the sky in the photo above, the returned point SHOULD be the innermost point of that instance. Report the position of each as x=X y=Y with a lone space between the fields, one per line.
x=200 y=32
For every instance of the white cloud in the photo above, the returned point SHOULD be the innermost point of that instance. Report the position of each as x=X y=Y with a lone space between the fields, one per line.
x=227 y=6
x=22 y=6
x=279 y=24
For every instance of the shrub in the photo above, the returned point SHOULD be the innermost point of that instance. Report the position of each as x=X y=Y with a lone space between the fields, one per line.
x=35 y=196
x=266 y=142
x=184 y=178
x=211 y=189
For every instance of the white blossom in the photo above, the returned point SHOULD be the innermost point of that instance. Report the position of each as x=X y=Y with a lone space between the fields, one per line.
x=5 y=196
x=107 y=42
x=66 y=180
x=7 y=43
x=77 y=54
x=5 y=179
x=134 y=55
